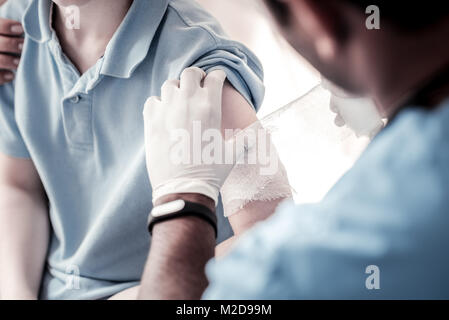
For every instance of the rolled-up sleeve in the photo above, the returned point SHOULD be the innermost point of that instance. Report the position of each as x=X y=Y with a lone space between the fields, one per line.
x=243 y=71
x=194 y=38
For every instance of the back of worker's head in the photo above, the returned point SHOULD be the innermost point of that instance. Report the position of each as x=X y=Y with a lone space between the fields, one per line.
x=367 y=46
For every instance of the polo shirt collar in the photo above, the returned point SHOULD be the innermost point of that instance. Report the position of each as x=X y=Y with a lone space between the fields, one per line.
x=36 y=20
x=128 y=47
x=130 y=44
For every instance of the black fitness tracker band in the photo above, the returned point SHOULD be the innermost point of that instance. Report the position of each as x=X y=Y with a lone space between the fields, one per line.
x=181 y=208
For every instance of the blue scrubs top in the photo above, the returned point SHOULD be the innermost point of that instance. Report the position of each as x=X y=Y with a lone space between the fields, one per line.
x=381 y=233
x=85 y=133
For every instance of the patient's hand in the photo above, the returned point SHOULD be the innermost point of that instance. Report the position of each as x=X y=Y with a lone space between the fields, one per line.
x=11 y=43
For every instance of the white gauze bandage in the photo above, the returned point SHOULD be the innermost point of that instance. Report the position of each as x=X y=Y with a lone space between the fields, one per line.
x=258 y=175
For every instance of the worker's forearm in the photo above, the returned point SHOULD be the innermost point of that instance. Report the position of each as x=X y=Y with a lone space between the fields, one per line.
x=24 y=234
x=180 y=249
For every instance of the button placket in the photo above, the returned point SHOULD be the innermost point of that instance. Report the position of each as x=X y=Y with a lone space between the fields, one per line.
x=75 y=99
x=77 y=114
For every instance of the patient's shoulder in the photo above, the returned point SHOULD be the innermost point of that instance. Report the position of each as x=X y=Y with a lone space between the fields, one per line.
x=14 y=9
x=191 y=15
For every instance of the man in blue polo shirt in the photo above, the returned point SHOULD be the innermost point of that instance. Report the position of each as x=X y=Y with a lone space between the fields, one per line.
x=72 y=143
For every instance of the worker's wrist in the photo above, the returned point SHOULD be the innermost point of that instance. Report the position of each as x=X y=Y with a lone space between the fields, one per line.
x=191 y=197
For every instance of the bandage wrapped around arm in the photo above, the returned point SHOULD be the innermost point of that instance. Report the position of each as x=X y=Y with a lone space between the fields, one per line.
x=258 y=174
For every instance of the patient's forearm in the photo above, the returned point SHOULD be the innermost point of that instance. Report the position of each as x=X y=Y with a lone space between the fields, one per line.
x=224 y=247
x=244 y=219
x=253 y=190
x=24 y=234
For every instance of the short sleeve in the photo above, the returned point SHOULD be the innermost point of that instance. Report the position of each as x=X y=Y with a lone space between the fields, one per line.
x=243 y=70
x=191 y=37
x=11 y=142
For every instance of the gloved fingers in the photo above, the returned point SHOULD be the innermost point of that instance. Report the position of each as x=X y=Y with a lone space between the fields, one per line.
x=214 y=82
x=151 y=108
x=191 y=79
x=168 y=89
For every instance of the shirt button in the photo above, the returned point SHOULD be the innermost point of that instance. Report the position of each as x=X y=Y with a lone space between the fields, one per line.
x=75 y=99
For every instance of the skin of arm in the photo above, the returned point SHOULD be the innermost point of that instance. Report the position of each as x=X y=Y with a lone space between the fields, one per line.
x=24 y=229
x=238 y=114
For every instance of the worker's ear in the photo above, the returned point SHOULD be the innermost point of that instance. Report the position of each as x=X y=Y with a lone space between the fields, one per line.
x=322 y=22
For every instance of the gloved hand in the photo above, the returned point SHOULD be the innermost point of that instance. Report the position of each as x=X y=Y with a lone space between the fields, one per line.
x=174 y=126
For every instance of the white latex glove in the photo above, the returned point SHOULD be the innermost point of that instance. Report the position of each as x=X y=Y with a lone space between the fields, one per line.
x=196 y=97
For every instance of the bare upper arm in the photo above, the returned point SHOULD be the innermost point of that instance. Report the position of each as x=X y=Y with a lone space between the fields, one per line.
x=19 y=173
x=239 y=114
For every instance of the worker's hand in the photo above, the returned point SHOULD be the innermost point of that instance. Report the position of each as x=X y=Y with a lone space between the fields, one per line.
x=175 y=125
x=11 y=43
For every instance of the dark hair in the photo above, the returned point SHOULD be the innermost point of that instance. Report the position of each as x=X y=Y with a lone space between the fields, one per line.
x=407 y=15
x=279 y=10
